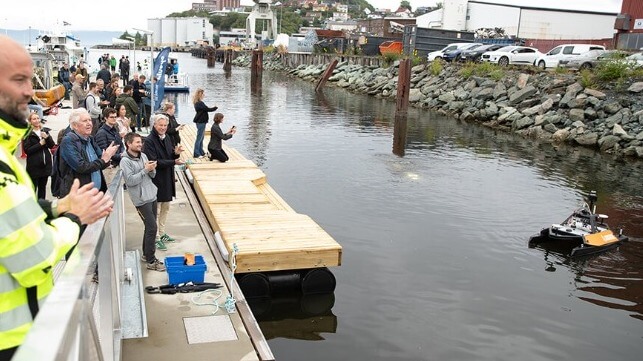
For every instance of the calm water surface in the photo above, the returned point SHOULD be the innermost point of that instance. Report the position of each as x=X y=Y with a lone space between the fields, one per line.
x=435 y=262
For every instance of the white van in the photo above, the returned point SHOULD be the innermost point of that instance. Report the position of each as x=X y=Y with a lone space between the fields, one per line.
x=440 y=53
x=551 y=59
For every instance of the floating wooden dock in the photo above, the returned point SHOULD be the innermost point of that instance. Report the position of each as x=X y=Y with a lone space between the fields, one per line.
x=241 y=205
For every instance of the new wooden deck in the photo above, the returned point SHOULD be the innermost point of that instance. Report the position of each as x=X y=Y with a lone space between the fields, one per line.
x=241 y=205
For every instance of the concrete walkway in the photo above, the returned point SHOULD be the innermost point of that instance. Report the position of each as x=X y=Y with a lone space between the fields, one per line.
x=171 y=318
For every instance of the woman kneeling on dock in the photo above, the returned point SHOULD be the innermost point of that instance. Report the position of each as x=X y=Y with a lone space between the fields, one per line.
x=216 y=136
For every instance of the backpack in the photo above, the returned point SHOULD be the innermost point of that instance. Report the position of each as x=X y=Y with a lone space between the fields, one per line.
x=84 y=103
x=56 y=173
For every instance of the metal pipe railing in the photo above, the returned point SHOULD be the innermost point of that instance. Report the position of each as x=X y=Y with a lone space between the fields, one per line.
x=66 y=327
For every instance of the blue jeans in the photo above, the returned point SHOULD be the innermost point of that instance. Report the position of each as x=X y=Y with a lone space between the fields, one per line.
x=198 y=142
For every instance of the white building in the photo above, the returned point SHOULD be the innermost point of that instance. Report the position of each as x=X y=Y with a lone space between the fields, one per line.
x=521 y=21
x=180 y=31
x=347 y=26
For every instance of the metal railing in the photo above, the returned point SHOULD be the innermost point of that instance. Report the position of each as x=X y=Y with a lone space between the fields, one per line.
x=69 y=326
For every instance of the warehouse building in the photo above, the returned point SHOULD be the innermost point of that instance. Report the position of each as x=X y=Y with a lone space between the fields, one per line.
x=629 y=25
x=180 y=31
x=525 y=22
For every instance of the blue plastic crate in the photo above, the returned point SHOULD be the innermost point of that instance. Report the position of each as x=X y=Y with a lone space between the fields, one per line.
x=178 y=272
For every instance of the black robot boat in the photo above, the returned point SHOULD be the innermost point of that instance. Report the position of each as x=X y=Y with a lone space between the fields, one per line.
x=584 y=231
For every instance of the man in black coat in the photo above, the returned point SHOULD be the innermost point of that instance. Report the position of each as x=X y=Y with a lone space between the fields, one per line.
x=104 y=73
x=158 y=147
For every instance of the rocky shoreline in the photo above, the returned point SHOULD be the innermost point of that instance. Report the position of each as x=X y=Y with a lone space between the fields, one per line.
x=545 y=106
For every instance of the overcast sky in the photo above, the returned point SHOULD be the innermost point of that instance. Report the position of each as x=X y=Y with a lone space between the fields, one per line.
x=119 y=15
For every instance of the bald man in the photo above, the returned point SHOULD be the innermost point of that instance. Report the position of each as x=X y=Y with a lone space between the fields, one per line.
x=34 y=234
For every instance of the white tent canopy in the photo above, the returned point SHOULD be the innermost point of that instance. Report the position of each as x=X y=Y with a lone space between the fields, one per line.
x=117 y=41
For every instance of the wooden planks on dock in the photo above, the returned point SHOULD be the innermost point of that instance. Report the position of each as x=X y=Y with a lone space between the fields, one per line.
x=238 y=202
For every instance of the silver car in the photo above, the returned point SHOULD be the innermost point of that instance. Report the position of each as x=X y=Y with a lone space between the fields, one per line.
x=593 y=58
x=635 y=59
x=583 y=61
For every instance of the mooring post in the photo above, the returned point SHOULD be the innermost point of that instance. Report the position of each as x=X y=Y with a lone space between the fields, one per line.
x=399 y=135
x=211 y=52
x=256 y=68
x=403 y=87
x=227 y=60
x=326 y=75
x=401 y=107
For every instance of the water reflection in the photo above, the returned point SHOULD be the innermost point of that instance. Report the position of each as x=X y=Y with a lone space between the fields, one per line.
x=436 y=264
x=258 y=129
x=295 y=316
x=611 y=279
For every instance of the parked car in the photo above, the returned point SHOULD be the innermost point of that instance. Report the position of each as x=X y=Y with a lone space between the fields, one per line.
x=594 y=58
x=454 y=55
x=583 y=61
x=552 y=58
x=475 y=54
x=518 y=55
x=635 y=59
x=440 y=53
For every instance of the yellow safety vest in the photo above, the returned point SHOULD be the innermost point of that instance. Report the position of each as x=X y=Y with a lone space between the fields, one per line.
x=30 y=245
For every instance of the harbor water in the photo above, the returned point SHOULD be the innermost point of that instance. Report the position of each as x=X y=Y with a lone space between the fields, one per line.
x=435 y=260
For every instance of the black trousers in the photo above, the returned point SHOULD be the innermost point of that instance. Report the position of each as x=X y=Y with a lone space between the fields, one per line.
x=40 y=186
x=7 y=354
x=218 y=154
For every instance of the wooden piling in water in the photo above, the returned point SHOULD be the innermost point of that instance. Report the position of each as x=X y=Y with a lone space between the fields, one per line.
x=227 y=60
x=403 y=87
x=211 y=57
x=401 y=107
x=399 y=135
x=327 y=73
x=256 y=68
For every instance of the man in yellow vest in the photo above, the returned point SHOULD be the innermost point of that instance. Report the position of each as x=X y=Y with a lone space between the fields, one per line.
x=34 y=234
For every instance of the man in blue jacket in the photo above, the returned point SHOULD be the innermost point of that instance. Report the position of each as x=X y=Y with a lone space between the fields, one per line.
x=81 y=157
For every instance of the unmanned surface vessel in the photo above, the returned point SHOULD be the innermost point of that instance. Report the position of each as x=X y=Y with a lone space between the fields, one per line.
x=584 y=231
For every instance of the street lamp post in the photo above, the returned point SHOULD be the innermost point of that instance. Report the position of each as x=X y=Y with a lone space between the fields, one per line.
x=281 y=15
x=133 y=39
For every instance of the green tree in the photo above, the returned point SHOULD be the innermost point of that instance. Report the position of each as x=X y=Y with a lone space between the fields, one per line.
x=190 y=13
x=289 y=21
x=405 y=4
x=139 y=39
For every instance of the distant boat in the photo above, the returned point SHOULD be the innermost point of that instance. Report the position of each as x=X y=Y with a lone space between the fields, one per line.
x=52 y=49
x=177 y=83
x=60 y=46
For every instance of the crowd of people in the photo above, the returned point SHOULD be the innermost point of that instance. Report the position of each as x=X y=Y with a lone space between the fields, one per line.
x=34 y=233
x=102 y=137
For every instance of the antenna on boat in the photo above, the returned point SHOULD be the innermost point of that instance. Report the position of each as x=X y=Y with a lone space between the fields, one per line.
x=592 y=198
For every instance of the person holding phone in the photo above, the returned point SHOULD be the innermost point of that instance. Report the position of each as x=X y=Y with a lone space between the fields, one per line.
x=215 y=146
x=37 y=145
x=158 y=146
x=138 y=172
